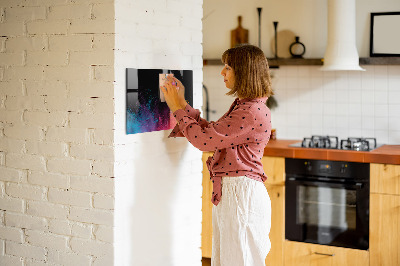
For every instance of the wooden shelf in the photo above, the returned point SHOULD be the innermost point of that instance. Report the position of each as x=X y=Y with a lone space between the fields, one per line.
x=274 y=63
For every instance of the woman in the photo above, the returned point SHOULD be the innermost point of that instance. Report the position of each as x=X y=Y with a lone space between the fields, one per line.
x=242 y=208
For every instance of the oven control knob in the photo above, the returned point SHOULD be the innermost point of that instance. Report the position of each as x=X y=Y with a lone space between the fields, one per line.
x=343 y=168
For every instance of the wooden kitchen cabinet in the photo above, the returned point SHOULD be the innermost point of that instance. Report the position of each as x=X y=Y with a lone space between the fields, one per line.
x=305 y=254
x=274 y=168
x=385 y=178
x=206 y=225
x=384 y=236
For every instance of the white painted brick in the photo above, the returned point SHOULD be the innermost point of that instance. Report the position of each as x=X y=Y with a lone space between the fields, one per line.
x=12 y=204
x=56 y=103
x=46 y=118
x=48 y=179
x=68 y=258
x=98 y=120
x=191 y=48
x=93 y=184
x=103 y=202
x=3 y=44
x=46 y=88
x=69 y=197
x=11 y=260
x=91 y=26
x=11 y=88
x=70 y=166
x=103 y=11
x=60 y=227
x=46 y=2
x=11 y=59
x=97 y=105
x=81 y=73
x=47 y=240
x=2 y=222
x=103 y=41
x=12 y=29
x=97 y=57
x=46 y=209
x=25 y=161
x=104 y=169
x=71 y=42
x=46 y=27
x=24 y=132
x=25 y=250
x=11 y=233
x=104 y=233
x=31 y=43
x=12 y=117
x=56 y=149
x=104 y=73
x=82 y=230
x=24 y=73
x=25 y=103
x=12 y=145
x=46 y=58
x=74 y=135
x=32 y=262
x=25 y=191
x=105 y=260
x=95 y=216
x=91 y=89
x=25 y=221
x=2 y=158
x=92 y=151
x=70 y=12
x=101 y=136
x=91 y=247
x=24 y=13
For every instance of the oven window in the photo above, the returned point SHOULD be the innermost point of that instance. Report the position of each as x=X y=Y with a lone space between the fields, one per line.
x=326 y=207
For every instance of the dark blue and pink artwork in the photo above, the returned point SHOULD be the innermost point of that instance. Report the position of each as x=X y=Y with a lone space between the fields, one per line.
x=146 y=109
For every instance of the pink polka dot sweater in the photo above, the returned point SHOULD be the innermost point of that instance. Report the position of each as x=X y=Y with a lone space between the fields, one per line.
x=238 y=139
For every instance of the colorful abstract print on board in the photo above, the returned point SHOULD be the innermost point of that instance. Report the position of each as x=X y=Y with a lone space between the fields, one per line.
x=146 y=109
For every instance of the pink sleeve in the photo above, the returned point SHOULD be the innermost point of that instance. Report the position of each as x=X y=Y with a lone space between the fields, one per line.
x=229 y=131
x=193 y=113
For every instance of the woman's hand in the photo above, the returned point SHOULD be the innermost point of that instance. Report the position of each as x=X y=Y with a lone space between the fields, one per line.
x=174 y=93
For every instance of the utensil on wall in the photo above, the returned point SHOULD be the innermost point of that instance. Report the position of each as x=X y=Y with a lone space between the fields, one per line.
x=259 y=9
x=297 y=49
x=239 y=35
x=276 y=38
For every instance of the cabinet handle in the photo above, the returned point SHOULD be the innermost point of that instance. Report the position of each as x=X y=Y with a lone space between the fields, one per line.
x=325 y=254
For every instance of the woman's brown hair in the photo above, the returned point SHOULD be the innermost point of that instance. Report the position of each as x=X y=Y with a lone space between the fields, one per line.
x=250 y=66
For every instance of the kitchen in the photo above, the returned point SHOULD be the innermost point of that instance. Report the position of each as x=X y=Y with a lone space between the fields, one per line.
x=312 y=104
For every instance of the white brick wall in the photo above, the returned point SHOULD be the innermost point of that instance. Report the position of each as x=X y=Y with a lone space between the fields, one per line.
x=56 y=132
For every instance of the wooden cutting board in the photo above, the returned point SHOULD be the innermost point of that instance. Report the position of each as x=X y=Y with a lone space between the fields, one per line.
x=239 y=35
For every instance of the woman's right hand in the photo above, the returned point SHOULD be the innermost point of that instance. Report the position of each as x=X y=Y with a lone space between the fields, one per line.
x=181 y=91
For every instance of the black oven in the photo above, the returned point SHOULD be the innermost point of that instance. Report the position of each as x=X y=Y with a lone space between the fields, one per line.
x=327 y=202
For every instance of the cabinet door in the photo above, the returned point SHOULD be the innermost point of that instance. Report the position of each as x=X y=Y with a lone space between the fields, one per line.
x=206 y=226
x=385 y=178
x=277 y=233
x=384 y=230
x=274 y=168
x=304 y=254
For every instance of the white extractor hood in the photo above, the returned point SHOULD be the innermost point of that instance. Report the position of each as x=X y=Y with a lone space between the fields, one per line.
x=341 y=51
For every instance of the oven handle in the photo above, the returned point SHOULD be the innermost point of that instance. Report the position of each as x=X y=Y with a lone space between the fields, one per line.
x=357 y=185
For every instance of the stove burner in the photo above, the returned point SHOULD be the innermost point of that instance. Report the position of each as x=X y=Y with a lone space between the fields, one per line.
x=328 y=142
x=358 y=144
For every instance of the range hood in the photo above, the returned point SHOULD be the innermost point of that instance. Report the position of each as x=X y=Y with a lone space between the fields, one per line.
x=341 y=51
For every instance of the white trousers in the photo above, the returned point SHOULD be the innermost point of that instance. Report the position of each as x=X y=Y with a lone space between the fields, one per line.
x=241 y=223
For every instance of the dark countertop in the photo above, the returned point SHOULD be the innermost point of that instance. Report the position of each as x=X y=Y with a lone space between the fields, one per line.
x=389 y=154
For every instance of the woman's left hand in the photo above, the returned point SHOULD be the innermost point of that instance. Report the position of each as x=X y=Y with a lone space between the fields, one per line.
x=170 y=90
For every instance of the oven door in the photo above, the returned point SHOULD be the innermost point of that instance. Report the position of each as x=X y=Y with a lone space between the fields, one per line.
x=327 y=213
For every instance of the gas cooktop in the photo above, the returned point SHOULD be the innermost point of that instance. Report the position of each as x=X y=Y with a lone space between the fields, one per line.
x=332 y=142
